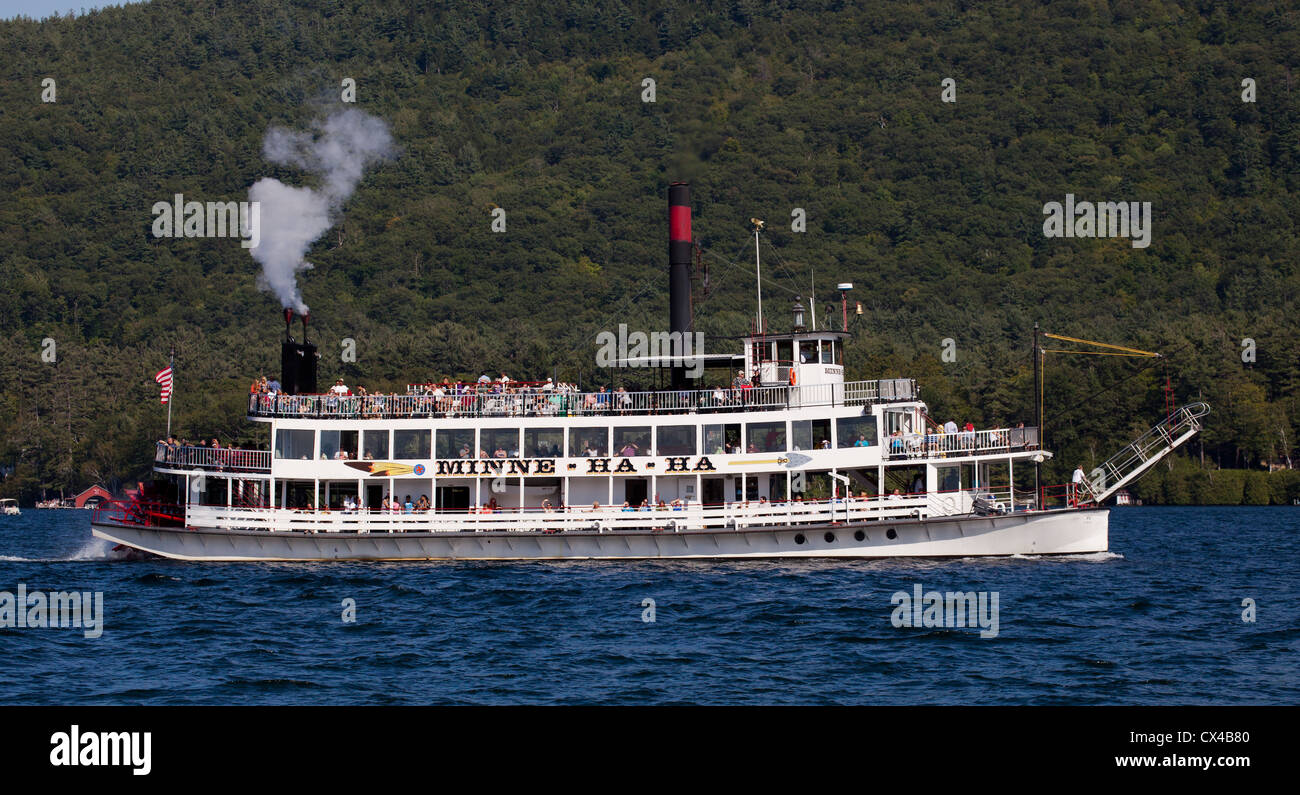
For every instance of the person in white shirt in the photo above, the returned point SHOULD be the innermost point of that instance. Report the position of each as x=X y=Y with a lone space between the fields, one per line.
x=339 y=388
x=950 y=427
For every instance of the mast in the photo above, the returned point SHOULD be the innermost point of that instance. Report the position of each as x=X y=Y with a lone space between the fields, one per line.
x=758 y=271
x=1038 y=420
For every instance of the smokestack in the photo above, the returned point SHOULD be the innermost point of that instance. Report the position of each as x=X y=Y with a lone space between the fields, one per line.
x=679 y=270
x=297 y=360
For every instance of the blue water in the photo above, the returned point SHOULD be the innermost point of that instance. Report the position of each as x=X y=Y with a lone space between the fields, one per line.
x=1158 y=620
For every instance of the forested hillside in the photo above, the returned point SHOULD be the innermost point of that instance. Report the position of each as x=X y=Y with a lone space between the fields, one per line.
x=934 y=210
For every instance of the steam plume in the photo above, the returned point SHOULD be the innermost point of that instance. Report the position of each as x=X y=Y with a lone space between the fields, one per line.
x=292 y=218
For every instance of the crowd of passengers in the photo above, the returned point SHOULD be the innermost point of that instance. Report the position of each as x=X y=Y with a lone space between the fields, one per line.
x=949 y=438
x=221 y=456
x=502 y=396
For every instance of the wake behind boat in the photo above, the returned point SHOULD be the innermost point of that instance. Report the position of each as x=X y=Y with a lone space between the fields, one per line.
x=785 y=459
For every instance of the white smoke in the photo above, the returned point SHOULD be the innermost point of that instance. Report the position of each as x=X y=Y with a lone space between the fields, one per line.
x=338 y=151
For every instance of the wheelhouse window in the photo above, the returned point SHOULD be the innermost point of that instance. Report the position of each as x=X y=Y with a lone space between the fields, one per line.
x=338 y=444
x=676 y=440
x=765 y=437
x=544 y=443
x=855 y=432
x=411 y=444
x=808 y=351
x=455 y=443
x=591 y=442
x=374 y=445
x=294 y=443
x=828 y=352
x=632 y=441
x=721 y=439
x=810 y=434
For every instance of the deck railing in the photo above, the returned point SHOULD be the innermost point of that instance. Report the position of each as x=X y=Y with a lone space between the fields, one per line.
x=604 y=519
x=915 y=445
x=539 y=403
x=214 y=458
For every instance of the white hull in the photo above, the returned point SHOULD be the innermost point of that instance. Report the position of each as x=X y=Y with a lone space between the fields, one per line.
x=1042 y=533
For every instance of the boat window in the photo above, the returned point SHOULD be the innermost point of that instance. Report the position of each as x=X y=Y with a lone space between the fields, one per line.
x=721 y=439
x=808 y=351
x=293 y=443
x=855 y=432
x=948 y=478
x=338 y=444
x=296 y=493
x=765 y=437
x=455 y=443
x=374 y=445
x=828 y=352
x=632 y=440
x=499 y=443
x=785 y=351
x=676 y=440
x=544 y=443
x=810 y=434
x=411 y=444
x=591 y=442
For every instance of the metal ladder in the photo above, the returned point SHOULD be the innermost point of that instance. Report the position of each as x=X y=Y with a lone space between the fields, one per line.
x=1128 y=464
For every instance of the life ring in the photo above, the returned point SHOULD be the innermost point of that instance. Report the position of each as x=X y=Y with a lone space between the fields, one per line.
x=792 y=378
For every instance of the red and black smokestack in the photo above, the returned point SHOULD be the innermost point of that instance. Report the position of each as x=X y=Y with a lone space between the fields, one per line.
x=679 y=270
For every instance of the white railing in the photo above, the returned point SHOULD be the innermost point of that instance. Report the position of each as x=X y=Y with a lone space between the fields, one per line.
x=915 y=445
x=691 y=517
x=217 y=458
x=534 y=402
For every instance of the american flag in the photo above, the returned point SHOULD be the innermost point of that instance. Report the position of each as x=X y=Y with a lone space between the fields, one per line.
x=164 y=379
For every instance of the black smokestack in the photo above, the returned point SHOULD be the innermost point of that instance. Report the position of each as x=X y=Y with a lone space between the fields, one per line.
x=679 y=269
x=297 y=361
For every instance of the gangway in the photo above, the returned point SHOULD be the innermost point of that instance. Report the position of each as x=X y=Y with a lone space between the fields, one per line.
x=1128 y=464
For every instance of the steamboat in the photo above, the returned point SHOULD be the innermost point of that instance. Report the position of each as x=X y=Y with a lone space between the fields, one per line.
x=787 y=459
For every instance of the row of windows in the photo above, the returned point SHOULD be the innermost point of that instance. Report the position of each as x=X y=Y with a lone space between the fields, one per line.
x=418 y=444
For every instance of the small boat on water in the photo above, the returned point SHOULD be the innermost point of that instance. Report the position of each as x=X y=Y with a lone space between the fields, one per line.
x=786 y=459
x=9 y=507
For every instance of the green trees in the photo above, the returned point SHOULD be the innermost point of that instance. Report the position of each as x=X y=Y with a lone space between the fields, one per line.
x=932 y=209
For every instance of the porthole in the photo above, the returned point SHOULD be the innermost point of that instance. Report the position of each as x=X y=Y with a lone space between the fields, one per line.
x=858 y=535
x=830 y=538
x=891 y=534
x=798 y=538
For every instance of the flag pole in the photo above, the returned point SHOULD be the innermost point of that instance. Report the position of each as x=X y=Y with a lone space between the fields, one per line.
x=172 y=396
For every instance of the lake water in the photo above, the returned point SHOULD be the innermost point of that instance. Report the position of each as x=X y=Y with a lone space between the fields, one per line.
x=1158 y=620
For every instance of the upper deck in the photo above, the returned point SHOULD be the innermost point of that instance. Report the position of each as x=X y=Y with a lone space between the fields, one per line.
x=480 y=400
